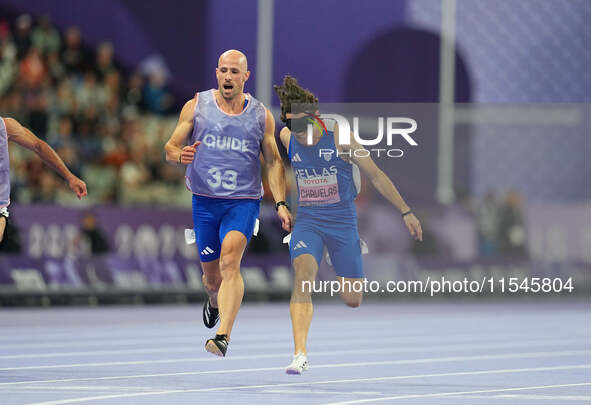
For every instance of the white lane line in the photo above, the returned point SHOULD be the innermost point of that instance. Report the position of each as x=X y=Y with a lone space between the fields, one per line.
x=451 y=394
x=159 y=375
x=547 y=397
x=314 y=392
x=265 y=386
x=83 y=341
x=98 y=342
x=322 y=340
x=194 y=329
x=129 y=330
x=110 y=390
x=504 y=343
x=101 y=353
x=82 y=388
x=325 y=353
x=470 y=398
x=288 y=343
x=65 y=334
x=260 y=369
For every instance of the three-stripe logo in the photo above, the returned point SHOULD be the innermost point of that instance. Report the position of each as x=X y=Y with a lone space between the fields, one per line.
x=299 y=245
x=207 y=251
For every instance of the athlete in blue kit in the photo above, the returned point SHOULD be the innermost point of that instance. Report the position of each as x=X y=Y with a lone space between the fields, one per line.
x=226 y=130
x=327 y=186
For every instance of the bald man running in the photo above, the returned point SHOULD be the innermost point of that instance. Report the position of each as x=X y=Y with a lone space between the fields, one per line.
x=225 y=131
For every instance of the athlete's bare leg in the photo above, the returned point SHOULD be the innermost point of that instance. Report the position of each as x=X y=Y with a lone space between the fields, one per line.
x=212 y=279
x=300 y=306
x=349 y=296
x=231 y=289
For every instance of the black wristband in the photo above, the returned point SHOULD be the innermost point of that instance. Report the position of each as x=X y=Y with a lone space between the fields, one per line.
x=406 y=213
x=279 y=204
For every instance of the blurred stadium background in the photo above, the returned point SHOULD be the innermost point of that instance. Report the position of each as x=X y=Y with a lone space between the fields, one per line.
x=501 y=180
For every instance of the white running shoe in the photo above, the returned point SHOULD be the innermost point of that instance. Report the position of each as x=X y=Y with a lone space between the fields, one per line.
x=298 y=365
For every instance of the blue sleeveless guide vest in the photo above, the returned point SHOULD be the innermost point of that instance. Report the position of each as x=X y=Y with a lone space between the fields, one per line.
x=4 y=167
x=227 y=163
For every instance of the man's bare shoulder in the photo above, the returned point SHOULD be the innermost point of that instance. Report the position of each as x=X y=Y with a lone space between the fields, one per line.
x=192 y=102
x=284 y=135
x=188 y=110
x=11 y=125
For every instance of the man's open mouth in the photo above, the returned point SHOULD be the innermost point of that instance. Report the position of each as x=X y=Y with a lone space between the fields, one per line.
x=228 y=86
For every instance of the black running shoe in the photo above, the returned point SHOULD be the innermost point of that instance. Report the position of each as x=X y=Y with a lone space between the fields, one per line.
x=218 y=345
x=210 y=315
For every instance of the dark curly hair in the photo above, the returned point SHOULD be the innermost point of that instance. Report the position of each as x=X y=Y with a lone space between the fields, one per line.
x=290 y=92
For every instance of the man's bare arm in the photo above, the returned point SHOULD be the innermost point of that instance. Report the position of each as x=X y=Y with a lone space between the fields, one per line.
x=377 y=177
x=382 y=183
x=273 y=163
x=175 y=148
x=25 y=138
x=2 y=227
x=284 y=136
x=275 y=170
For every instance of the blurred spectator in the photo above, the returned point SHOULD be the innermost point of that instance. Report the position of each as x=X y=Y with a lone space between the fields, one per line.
x=22 y=36
x=115 y=151
x=74 y=56
x=111 y=119
x=488 y=217
x=90 y=93
x=69 y=154
x=65 y=103
x=89 y=142
x=134 y=175
x=45 y=37
x=134 y=97
x=64 y=135
x=88 y=122
x=38 y=113
x=12 y=106
x=511 y=227
x=32 y=69
x=93 y=235
x=157 y=97
x=105 y=63
x=112 y=84
x=55 y=68
x=46 y=191
x=7 y=58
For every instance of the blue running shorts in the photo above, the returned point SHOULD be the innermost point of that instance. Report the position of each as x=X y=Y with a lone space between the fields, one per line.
x=213 y=218
x=334 y=227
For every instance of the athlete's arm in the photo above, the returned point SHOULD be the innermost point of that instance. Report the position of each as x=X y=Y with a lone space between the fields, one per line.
x=25 y=138
x=175 y=149
x=284 y=135
x=275 y=171
x=382 y=183
x=2 y=226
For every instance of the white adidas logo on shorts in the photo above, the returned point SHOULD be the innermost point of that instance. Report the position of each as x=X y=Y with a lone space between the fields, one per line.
x=207 y=251
x=300 y=245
